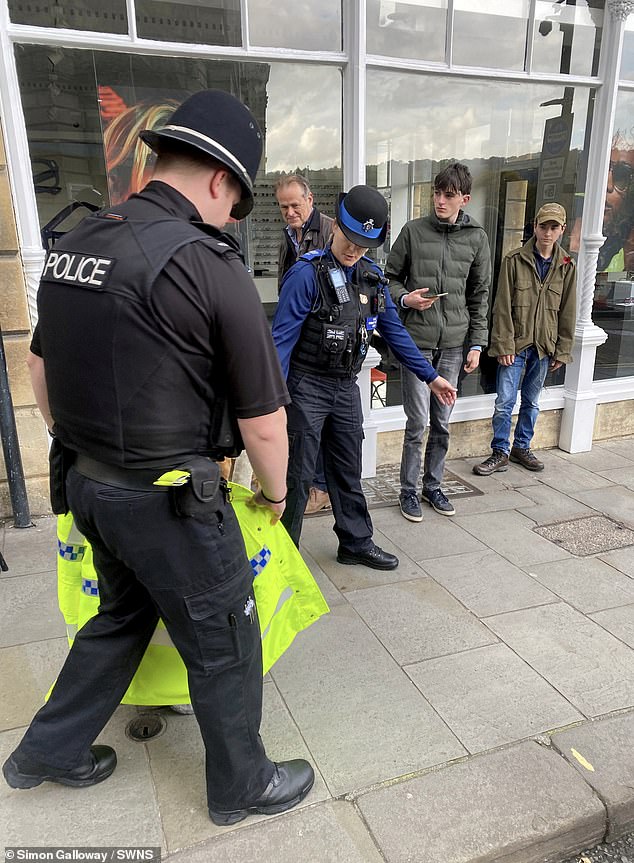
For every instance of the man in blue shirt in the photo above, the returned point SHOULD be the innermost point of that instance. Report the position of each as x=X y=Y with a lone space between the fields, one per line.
x=331 y=302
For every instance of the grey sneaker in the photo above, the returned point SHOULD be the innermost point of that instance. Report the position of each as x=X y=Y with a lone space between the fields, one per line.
x=526 y=458
x=498 y=460
x=410 y=506
x=439 y=501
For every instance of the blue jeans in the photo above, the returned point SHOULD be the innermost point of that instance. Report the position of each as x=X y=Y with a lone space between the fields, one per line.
x=420 y=406
x=528 y=364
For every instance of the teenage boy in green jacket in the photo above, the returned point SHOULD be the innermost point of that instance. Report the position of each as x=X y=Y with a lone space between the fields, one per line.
x=440 y=271
x=533 y=331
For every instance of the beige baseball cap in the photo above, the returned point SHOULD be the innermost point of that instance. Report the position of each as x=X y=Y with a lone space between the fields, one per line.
x=551 y=213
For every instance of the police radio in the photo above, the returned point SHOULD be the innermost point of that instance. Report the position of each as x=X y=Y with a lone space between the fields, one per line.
x=338 y=283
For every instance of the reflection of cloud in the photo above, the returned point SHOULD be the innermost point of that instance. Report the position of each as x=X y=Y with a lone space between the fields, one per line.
x=301 y=24
x=303 y=119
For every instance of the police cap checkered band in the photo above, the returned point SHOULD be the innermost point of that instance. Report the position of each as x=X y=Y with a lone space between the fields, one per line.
x=218 y=124
x=362 y=216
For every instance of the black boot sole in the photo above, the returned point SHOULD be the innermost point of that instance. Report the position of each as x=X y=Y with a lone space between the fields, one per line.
x=226 y=819
x=19 y=780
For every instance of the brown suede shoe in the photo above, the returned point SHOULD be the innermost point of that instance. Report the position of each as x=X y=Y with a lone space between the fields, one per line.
x=317 y=500
x=526 y=458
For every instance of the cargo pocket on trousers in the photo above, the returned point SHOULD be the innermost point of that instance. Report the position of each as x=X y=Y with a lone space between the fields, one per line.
x=225 y=622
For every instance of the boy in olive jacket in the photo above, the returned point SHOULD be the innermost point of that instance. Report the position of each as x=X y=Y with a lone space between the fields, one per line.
x=533 y=330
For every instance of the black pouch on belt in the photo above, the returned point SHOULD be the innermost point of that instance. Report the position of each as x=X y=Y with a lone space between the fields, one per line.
x=203 y=495
x=60 y=459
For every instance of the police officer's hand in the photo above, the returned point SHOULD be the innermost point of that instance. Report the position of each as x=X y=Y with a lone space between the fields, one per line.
x=417 y=300
x=277 y=509
x=443 y=390
x=506 y=359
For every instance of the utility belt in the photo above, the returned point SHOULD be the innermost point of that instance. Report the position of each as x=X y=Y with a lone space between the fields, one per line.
x=197 y=488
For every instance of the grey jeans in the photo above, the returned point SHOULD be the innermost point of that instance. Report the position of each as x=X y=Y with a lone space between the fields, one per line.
x=420 y=407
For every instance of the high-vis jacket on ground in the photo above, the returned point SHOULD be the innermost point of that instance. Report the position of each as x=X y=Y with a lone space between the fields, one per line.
x=287 y=597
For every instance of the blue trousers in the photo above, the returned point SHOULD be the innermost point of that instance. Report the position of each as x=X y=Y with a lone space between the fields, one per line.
x=527 y=375
x=327 y=411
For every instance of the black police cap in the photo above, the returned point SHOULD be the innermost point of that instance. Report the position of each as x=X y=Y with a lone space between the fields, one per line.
x=362 y=216
x=218 y=124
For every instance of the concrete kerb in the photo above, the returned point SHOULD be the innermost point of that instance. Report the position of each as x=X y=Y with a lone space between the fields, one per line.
x=602 y=753
x=521 y=804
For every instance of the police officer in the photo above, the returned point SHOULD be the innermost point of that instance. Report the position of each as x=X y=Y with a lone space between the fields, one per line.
x=156 y=355
x=331 y=302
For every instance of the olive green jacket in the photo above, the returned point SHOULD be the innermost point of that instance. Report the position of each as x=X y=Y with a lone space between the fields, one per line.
x=527 y=311
x=429 y=253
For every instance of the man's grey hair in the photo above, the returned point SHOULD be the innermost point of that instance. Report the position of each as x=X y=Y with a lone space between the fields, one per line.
x=288 y=179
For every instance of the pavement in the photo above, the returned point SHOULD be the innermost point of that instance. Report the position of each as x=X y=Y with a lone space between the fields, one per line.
x=476 y=704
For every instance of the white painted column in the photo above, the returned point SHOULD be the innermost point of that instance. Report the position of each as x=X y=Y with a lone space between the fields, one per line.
x=354 y=42
x=370 y=427
x=580 y=400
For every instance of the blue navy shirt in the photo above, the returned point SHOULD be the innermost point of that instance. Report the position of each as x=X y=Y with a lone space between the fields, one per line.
x=299 y=296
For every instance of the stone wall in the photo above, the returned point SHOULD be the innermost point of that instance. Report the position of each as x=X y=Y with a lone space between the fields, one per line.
x=16 y=330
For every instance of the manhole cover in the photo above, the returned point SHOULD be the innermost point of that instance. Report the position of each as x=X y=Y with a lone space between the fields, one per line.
x=145 y=726
x=588 y=535
x=384 y=488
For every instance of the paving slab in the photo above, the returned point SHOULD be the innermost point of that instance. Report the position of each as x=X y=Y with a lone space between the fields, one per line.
x=327 y=833
x=617 y=501
x=30 y=611
x=178 y=769
x=599 y=458
x=622 y=475
x=622 y=446
x=330 y=592
x=588 y=584
x=550 y=505
x=590 y=667
x=31 y=549
x=490 y=697
x=568 y=477
x=511 y=535
x=435 y=536
x=27 y=672
x=621 y=559
x=362 y=718
x=487 y=583
x=120 y=811
x=523 y=804
x=618 y=621
x=603 y=755
x=591 y=535
x=321 y=544
x=419 y=619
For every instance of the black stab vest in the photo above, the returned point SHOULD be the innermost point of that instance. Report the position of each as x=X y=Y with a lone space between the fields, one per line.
x=120 y=388
x=334 y=338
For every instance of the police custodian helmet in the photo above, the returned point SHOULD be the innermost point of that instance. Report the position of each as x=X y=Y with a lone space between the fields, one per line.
x=362 y=216
x=218 y=124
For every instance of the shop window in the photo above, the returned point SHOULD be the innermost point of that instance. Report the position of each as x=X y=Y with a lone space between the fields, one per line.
x=84 y=109
x=74 y=14
x=627 y=58
x=568 y=36
x=302 y=24
x=205 y=22
x=492 y=38
x=415 y=30
x=523 y=143
x=613 y=307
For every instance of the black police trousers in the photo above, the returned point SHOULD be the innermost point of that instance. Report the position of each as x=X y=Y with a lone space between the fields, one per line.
x=197 y=578
x=327 y=411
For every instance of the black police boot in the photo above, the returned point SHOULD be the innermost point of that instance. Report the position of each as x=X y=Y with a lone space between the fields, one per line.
x=374 y=557
x=290 y=783
x=23 y=772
